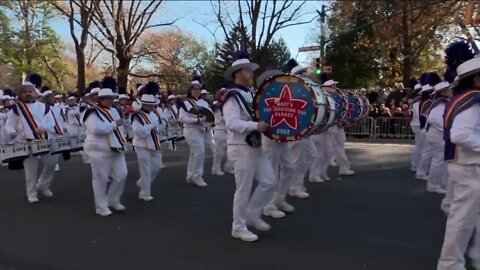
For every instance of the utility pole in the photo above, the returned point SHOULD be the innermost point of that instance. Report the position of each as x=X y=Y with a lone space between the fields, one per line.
x=322 y=15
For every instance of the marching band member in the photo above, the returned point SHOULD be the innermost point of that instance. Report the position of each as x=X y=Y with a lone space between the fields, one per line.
x=324 y=144
x=208 y=128
x=415 y=125
x=27 y=121
x=424 y=107
x=146 y=140
x=462 y=152
x=194 y=132
x=249 y=161
x=7 y=102
x=337 y=138
x=137 y=104
x=438 y=175
x=74 y=123
x=220 y=136
x=173 y=119
x=282 y=162
x=303 y=151
x=50 y=162
x=105 y=145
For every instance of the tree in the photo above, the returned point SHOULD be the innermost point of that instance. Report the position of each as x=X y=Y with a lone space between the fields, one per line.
x=174 y=56
x=276 y=55
x=121 y=24
x=33 y=45
x=262 y=19
x=404 y=35
x=78 y=12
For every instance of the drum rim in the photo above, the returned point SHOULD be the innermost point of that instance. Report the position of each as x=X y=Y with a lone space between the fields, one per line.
x=300 y=134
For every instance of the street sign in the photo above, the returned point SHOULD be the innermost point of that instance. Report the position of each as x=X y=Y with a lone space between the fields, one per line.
x=309 y=49
x=327 y=69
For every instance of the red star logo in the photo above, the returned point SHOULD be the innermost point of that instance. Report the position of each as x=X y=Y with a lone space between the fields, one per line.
x=351 y=107
x=285 y=108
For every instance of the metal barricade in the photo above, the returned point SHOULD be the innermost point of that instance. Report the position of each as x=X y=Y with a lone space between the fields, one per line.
x=381 y=128
x=392 y=128
x=362 y=128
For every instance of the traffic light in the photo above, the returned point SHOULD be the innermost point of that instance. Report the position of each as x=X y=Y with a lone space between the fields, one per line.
x=318 y=66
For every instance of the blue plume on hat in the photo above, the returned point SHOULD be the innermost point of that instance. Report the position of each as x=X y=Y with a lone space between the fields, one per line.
x=292 y=63
x=324 y=77
x=457 y=53
x=72 y=94
x=449 y=75
x=109 y=82
x=241 y=54
x=197 y=78
x=412 y=82
x=138 y=85
x=122 y=90
x=433 y=78
x=91 y=85
x=151 y=88
x=35 y=79
x=9 y=92
x=44 y=89
x=169 y=92
x=423 y=78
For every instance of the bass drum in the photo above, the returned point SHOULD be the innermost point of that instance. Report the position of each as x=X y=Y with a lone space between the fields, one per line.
x=330 y=115
x=354 y=109
x=366 y=106
x=341 y=104
x=293 y=106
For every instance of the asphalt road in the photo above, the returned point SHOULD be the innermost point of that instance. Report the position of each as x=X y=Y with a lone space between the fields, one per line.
x=381 y=218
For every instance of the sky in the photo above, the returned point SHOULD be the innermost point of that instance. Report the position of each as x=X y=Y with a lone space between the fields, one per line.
x=201 y=11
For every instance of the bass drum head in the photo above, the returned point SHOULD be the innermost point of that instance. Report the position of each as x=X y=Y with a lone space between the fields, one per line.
x=287 y=104
x=340 y=104
x=354 y=108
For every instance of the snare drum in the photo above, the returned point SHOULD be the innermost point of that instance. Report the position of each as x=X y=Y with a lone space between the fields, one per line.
x=293 y=106
x=58 y=146
x=76 y=144
x=14 y=152
x=39 y=147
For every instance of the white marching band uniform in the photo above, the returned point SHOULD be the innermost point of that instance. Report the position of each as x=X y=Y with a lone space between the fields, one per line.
x=51 y=160
x=18 y=126
x=146 y=140
x=438 y=174
x=194 y=132
x=104 y=146
x=249 y=163
x=220 y=137
x=415 y=125
x=426 y=151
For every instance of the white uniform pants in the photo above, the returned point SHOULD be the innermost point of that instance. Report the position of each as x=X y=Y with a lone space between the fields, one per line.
x=195 y=138
x=220 y=137
x=107 y=166
x=250 y=163
x=417 y=151
x=438 y=174
x=149 y=164
x=339 y=141
x=447 y=200
x=464 y=216
x=209 y=139
x=323 y=155
x=281 y=158
x=426 y=156
x=303 y=153
x=46 y=177
x=33 y=182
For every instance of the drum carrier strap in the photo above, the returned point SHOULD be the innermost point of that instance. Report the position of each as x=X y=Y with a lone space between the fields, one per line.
x=254 y=138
